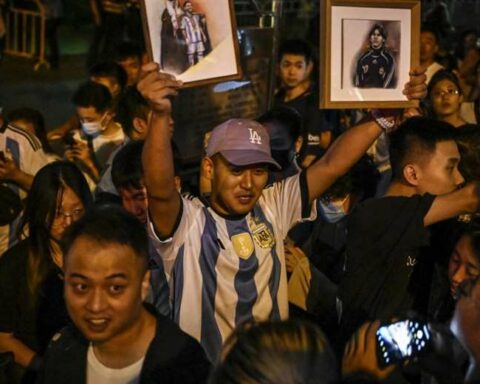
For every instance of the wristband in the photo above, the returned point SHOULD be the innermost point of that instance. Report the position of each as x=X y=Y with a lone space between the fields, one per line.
x=383 y=116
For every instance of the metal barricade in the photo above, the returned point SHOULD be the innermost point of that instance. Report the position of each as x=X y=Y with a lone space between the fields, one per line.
x=25 y=35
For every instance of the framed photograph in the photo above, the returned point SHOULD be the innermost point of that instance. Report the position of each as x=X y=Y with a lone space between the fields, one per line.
x=366 y=52
x=195 y=40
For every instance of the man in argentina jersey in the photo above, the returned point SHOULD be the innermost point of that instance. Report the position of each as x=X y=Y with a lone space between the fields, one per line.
x=225 y=256
x=21 y=157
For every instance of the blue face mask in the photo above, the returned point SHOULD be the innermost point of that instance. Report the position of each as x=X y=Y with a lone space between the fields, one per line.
x=332 y=211
x=94 y=128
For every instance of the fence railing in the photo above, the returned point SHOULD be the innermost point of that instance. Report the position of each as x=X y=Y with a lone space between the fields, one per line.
x=25 y=35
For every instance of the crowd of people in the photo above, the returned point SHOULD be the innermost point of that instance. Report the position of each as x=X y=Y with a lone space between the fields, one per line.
x=314 y=246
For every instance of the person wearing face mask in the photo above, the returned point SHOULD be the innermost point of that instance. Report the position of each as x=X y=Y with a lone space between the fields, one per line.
x=100 y=135
x=316 y=265
x=108 y=73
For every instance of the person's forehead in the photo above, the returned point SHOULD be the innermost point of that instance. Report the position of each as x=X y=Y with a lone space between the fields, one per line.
x=88 y=112
x=446 y=150
x=464 y=245
x=444 y=83
x=69 y=197
x=131 y=191
x=293 y=58
x=89 y=257
x=427 y=35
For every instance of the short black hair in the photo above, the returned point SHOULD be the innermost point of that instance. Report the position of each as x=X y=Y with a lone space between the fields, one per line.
x=416 y=137
x=131 y=105
x=109 y=69
x=126 y=50
x=109 y=224
x=293 y=351
x=127 y=168
x=91 y=94
x=296 y=47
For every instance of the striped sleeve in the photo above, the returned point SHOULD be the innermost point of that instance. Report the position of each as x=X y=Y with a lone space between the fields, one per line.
x=192 y=215
x=286 y=203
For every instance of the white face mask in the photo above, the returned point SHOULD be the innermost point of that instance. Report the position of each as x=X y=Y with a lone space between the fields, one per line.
x=333 y=211
x=94 y=128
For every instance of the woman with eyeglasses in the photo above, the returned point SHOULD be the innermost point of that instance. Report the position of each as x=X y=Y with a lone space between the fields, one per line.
x=31 y=286
x=445 y=98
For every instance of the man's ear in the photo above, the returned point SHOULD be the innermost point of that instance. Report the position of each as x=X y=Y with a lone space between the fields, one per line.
x=110 y=114
x=208 y=168
x=139 y=125
x=411 y=174
x=146 y=287
x=309 y=68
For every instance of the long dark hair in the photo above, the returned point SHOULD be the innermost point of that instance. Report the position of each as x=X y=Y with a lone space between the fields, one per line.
x=41 y=205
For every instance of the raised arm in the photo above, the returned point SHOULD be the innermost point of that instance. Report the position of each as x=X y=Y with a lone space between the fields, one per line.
x=350 y=146
x=462 y=201
x=163 y=198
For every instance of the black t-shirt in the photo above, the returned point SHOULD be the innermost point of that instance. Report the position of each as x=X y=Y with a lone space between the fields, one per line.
x=31 y=321
x=307 y=105
x=385 y=238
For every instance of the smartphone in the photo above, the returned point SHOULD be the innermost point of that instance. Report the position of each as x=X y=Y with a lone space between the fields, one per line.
x=69 y=139
x=2 y=156
x=401 y=340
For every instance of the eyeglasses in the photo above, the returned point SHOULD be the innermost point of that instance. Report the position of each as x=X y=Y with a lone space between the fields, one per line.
x=466 y=287
x=449 y=92
x=60 y=216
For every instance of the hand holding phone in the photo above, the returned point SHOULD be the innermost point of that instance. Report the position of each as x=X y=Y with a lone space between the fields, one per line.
x=401 y=340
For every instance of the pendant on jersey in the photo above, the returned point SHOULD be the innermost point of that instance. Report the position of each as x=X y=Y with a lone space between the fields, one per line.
x=243 y=245
x=261 y=234
x=381 y=71
x=374 y=61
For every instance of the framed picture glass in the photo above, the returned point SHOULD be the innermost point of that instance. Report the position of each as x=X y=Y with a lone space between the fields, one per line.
x=195 y=40
x=367 y=50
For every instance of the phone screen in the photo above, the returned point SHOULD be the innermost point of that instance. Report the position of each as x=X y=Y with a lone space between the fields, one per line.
x=401 y=340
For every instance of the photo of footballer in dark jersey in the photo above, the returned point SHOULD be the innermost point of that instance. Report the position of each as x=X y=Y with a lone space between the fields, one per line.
x=376 y=67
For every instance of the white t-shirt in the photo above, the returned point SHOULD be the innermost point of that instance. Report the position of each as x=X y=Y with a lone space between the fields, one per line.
x=98 y=373
x=432 y=69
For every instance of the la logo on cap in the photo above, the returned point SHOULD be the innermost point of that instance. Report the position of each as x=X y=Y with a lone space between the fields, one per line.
x=255 y=138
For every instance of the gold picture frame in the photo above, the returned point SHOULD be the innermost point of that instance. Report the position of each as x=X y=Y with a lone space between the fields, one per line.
x=367 y=49
x=197 y=43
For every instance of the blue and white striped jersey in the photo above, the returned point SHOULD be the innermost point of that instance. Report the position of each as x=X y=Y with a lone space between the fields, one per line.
x=26 y=151
x=223 y=272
